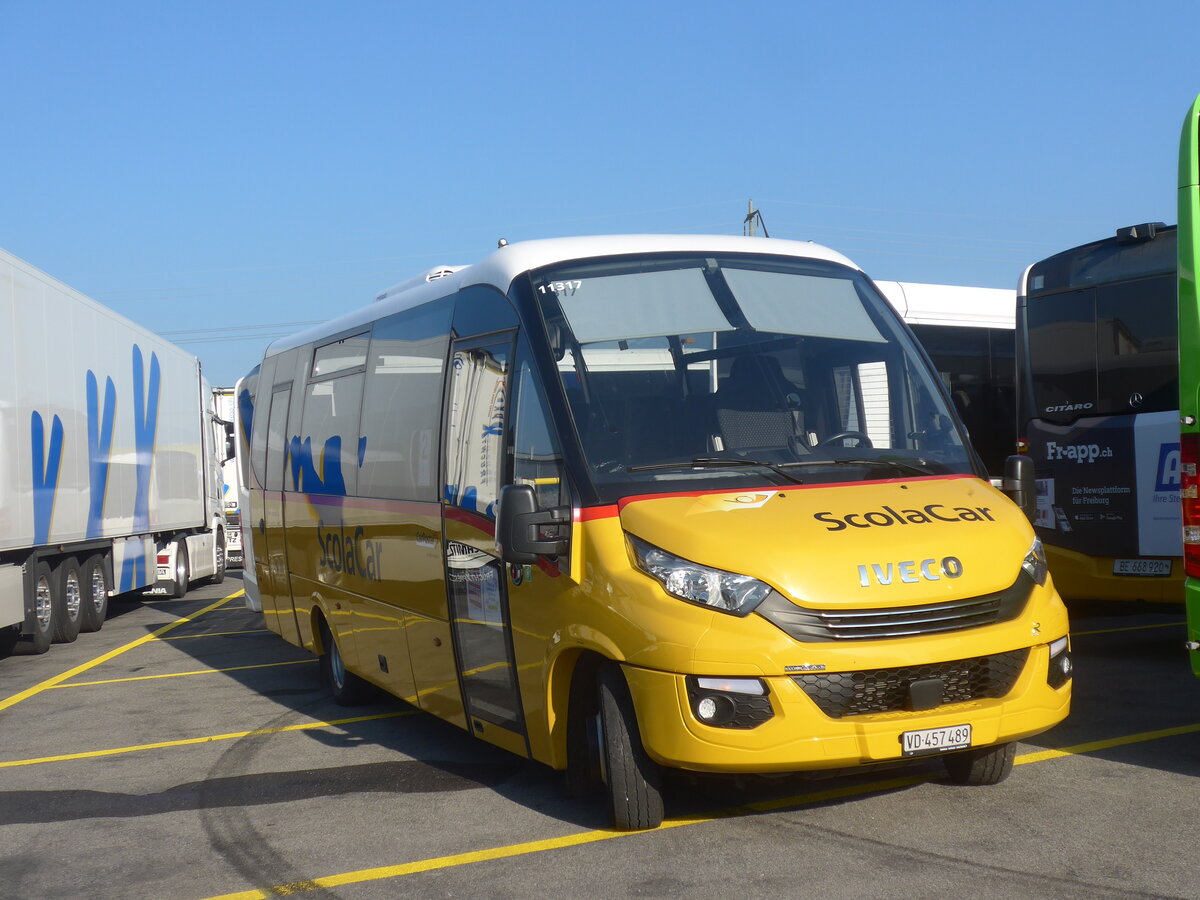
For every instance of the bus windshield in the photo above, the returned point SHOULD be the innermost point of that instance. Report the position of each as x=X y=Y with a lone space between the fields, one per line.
x=688 y=373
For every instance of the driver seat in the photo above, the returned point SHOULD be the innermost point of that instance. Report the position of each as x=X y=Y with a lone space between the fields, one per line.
x=757 y=406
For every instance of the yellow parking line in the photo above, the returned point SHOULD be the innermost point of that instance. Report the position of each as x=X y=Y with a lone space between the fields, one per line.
x=1129 y=628
x=75 y=684
x=590 y=837
x=116 y=751
x=1096 y=746
x=8 y=702
x=574 y=840
x=188 y=637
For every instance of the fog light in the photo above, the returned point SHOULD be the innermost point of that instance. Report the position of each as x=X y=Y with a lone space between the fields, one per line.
x=729 y=702
x=1061 y=667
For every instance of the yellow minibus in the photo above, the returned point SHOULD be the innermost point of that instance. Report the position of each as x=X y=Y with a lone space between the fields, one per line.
x=630 y=504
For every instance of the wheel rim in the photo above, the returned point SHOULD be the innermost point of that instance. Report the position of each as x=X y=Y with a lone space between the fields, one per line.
x=337 y=669
x=99 y=589
x=74 y=595
x=43 y=604
x=180 y=566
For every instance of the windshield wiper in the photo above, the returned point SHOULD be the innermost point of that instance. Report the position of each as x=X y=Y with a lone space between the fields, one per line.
x=921 y=469
x=722 y=462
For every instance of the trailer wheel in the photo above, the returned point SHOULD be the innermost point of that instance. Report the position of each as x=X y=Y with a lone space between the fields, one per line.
x=988 y=765
x=219 y=575
x=346 y=687
x=182 y=573
x=632 y=778
x=43 y=609
x=68 y=601
x=94 y=578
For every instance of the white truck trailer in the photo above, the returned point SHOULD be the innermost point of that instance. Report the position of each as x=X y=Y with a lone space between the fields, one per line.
x=110 y=462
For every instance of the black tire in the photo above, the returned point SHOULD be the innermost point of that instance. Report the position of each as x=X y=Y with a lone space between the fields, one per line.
x=183 y=573
x=94 y=576
x=346 y=688
x=219 y=575
x=68 y=601
x=633 y=779
x=43 y=610
x=988 y=765
x=583 y=736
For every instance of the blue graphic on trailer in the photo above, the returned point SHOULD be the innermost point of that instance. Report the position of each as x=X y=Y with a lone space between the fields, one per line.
x=145 y=432
x=46 y=464
x=145 y=428
x=100 y=438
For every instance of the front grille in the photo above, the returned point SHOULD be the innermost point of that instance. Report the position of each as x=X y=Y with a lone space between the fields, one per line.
x=841 y=694
x=814 y=625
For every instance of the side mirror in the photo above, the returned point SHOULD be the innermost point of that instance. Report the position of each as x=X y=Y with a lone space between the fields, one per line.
x=1019 y=484
x=524 y=532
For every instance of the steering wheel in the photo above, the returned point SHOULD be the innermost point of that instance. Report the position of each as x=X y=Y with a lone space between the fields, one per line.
x=863 y=440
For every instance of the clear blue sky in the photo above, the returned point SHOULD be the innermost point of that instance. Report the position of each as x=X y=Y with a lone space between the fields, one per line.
x=223 y=171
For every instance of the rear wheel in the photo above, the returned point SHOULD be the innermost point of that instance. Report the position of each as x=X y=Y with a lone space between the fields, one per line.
x=633 y=779
x=43 y=609
x=346 y=687
x=94 y=578
x=988 y=765
x=182 y=572
x=68 y=601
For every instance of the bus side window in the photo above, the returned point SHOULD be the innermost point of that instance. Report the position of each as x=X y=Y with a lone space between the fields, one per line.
x=537 y=457
x=402 y=407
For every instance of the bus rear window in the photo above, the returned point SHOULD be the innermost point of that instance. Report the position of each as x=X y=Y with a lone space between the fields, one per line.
x=1110 y=350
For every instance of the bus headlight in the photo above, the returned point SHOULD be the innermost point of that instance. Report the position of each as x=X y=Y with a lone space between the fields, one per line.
x=726 y=591
x=1035 y=562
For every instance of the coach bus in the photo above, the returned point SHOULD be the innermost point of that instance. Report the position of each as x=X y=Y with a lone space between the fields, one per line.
x=631 y=504
x=1098 y=400
x=1189 y=369
x=968 y=334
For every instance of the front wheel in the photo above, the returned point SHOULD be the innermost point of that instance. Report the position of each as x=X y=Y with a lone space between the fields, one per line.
x=988 y=765
x=182 y=573
x=632 y=778
x=219 y=575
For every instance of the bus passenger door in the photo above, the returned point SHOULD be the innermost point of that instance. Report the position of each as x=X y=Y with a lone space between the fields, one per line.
x=270 y=559
x=476 y=422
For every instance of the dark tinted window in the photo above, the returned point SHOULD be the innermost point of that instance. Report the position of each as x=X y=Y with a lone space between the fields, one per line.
x=1062 y=351
x=1137 y=346
x=976 y=366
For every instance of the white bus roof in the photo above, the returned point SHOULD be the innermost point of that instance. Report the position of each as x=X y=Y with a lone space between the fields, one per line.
x=948 y=304
x=501 y=266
